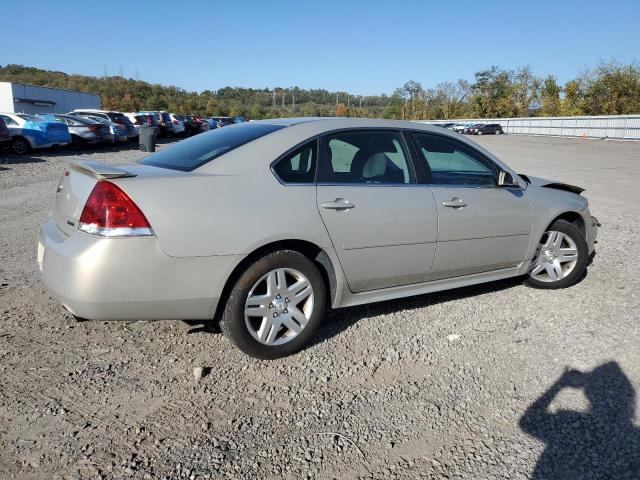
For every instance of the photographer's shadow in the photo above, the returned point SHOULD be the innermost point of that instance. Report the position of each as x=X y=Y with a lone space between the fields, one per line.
x=602 y=443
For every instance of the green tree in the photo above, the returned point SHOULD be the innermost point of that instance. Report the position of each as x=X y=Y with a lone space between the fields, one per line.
x=613 y=89
x=550 y=97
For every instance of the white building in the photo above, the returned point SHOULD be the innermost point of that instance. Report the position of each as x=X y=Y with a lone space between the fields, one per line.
x=22 y=98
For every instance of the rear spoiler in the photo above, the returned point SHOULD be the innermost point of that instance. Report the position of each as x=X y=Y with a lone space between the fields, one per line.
x=100 y=170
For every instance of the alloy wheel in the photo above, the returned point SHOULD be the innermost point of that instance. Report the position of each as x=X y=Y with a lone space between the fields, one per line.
x=556 y=257
x=279 y=306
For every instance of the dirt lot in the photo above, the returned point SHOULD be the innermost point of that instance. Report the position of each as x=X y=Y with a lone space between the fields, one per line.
x=450 y=385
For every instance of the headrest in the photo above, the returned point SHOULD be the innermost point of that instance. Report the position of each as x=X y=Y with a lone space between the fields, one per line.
x=376 y=166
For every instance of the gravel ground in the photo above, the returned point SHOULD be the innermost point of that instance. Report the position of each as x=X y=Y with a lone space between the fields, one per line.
x=462 y=384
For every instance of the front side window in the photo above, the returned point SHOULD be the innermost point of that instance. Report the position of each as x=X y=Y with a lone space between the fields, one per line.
x=453 y=163
x=194 y=152
x=366 y=157
x=299 y=166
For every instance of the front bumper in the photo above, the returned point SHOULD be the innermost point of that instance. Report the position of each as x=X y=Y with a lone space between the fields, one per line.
x=128 y=278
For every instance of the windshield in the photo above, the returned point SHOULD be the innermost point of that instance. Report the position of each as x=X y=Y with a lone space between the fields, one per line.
x=190 y=154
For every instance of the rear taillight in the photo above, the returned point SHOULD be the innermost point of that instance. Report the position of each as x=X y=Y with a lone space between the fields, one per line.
x=109 y=212
x=175 y=122
x=94 y=128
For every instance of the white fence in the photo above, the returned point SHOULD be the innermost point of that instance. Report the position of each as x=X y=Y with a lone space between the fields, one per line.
x=624 y=127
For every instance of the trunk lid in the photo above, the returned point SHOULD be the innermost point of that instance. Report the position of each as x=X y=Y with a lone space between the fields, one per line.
x=74 y=188
x=57 y=132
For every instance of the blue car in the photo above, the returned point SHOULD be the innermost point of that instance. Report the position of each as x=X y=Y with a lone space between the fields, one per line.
x=29 y=131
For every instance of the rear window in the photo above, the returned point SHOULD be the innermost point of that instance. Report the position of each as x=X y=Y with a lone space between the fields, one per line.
x=32 y=118
x=119 y=118
x=190 y=154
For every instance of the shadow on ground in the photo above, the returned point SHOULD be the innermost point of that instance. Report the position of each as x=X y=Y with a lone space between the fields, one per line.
x=602 y=443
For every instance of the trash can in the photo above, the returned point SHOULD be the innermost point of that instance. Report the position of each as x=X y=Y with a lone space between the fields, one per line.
x=147 y=138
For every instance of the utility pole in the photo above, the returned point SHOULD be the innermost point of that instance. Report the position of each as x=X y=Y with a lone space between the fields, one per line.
x=274 y=99
x=283 y=100
x=121 y=72
x=337 y=98
x=360 y=101
x=348 y=101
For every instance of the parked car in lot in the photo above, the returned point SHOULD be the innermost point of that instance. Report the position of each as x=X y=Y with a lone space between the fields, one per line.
x=5 y=138
x=223 y=121
x=461 y=127
x=471 y=129
x=207 y=124
x=139 y=119
x=118 y=118
x=30 y=131
x=163 y=120
x=179 y=127
x=489 y=128
x=83 y=131
x=117 y=131
x=373 y=210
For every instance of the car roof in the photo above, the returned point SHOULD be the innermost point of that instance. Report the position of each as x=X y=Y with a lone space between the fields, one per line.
x=337 y=123
x=94 y=110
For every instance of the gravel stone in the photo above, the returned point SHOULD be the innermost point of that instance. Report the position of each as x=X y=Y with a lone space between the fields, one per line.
x=379 y=394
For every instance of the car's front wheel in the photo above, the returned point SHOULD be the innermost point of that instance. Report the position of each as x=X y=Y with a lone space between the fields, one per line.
x=275 y=305
x=561 y=257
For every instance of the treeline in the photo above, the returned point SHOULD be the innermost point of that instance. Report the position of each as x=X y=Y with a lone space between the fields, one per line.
x=611 y=88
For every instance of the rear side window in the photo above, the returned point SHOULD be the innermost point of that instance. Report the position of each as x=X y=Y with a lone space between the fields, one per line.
x=366 y=157
x=299 y=166
x=194 y=152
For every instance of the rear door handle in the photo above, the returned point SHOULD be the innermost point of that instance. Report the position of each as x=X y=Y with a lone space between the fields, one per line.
x=455 y=202
x=338 y=204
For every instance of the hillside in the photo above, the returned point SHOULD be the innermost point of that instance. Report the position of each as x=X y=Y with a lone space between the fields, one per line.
x=611 y=88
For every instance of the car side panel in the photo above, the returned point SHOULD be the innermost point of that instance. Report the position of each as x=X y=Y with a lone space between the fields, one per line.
x=548 y=204
x=204 y=215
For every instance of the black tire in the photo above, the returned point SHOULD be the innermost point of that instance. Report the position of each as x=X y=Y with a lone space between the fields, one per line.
x=75 y=143
x=142 y=148
x=233 y=324
x=20 y=145
x=583 y=258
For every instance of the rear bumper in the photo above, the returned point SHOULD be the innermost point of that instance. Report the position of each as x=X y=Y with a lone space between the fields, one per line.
x=128 y=278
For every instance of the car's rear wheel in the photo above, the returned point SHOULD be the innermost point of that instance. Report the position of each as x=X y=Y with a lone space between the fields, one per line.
x=275 y=305
x=498 y=132
x=478 y=132
x=561 y=257
x=75 y=143
x=20 y=145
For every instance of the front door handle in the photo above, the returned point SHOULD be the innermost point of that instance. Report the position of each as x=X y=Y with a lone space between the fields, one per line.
x=455 y=202
x=338 y=204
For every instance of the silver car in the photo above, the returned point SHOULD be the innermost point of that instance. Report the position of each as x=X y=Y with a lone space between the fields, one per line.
x=263 y=225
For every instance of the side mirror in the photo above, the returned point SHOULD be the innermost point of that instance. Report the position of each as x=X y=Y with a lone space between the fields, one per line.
x=505 y=179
